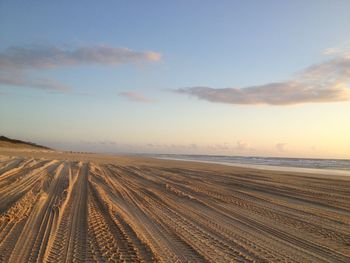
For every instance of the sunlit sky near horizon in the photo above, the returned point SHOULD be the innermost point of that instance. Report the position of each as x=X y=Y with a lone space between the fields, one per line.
x=267 y=78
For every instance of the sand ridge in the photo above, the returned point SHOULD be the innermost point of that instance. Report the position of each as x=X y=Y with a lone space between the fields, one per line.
x=83 y=208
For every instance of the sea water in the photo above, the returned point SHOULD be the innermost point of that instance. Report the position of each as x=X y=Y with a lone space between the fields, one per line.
x=324 y=166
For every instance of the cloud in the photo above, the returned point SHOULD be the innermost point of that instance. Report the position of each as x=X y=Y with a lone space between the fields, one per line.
x=107 y=142
x=281 y=146
x=330 y=51
x=341 y=49
x=242 y=145
x=40 y=83
x=323 y=82
x=137 y=97
x=46 y=57
x=15 y=61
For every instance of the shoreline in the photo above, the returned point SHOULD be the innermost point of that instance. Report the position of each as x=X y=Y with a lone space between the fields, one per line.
x=159 y=161
x=268 y=167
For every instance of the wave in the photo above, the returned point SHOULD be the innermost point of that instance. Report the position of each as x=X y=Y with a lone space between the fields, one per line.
x=332 y=164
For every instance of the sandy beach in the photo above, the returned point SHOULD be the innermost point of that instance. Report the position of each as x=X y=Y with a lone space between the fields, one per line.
x=76 y=207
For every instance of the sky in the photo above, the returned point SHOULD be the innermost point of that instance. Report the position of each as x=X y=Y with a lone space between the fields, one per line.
x=251 y=78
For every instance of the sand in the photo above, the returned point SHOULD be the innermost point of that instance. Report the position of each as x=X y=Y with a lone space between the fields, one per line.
x=60 y=207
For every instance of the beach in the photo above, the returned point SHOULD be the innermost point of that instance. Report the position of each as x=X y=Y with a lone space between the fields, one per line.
x=81 y=207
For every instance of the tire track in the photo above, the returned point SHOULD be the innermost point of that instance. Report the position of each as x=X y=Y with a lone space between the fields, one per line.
x=70 y=241
x=99 y=210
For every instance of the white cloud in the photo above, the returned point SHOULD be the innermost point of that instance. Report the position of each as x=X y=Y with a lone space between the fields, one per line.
x=341 y=49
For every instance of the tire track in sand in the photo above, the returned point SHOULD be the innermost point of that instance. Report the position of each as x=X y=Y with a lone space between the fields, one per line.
x=76 y=209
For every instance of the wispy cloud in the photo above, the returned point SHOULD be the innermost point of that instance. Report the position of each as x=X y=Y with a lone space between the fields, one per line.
x=323 y=82
x=233 y=148
x=18 y=60
x=137 y=97
x=24 y=81
x=45 y=57
x=341 y=49
x=281 y=146
x=243 y=146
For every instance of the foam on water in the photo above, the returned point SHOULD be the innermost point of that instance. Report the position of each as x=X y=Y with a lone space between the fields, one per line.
x=324 y=166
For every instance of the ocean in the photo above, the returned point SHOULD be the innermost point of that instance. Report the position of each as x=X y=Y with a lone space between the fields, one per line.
x=324 y=166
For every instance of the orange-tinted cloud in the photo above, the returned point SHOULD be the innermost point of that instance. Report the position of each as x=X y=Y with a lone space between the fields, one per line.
x=323 y=82
x=135 y=96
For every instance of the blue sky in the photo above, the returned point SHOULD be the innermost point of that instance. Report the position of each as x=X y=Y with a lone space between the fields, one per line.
x=135 y=105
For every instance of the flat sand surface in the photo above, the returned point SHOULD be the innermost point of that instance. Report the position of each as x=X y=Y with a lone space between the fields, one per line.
x=71 y=207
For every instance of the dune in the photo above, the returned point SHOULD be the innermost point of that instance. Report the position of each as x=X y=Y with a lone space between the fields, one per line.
x=71 y=207
x=11 y=144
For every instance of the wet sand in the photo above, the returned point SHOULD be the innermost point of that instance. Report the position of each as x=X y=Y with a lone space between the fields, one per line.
x=71 y=207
